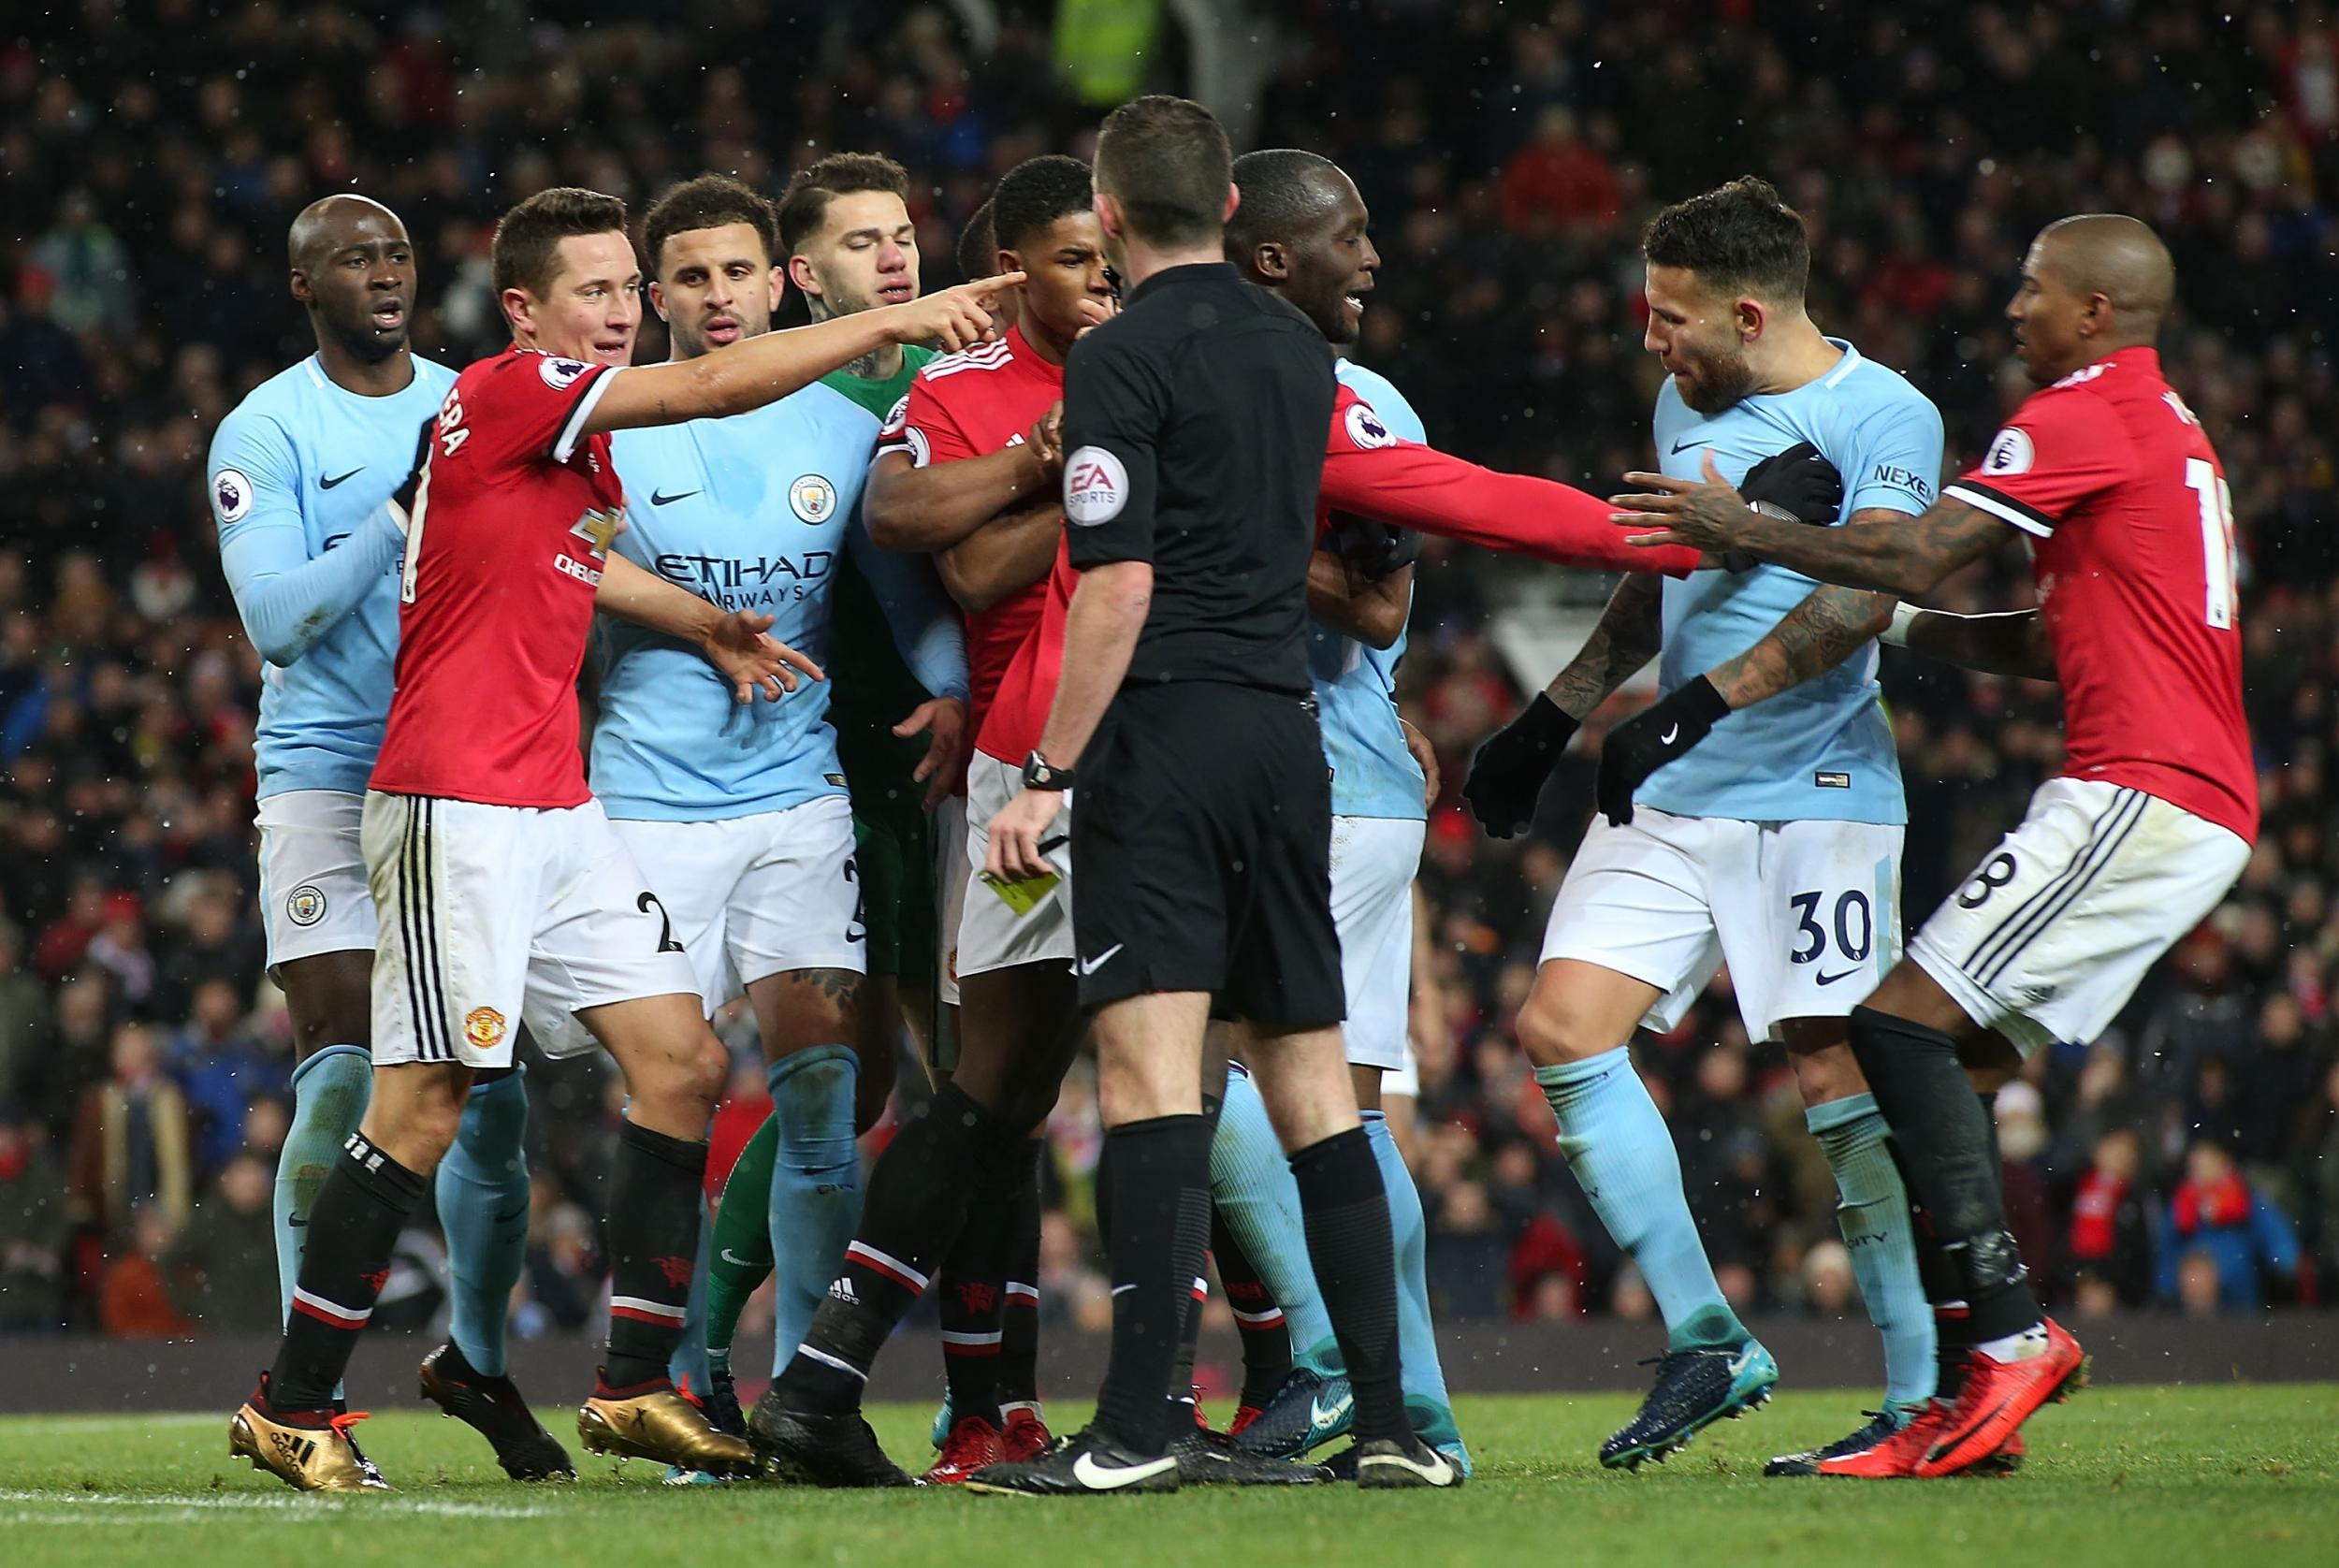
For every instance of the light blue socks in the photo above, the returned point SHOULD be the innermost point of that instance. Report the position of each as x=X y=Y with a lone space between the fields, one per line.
x=329 y=1094
x=1251 y=1183
x=482 y=1198
x=1417 y=1338
x=816 y=1185
x=1873 y=1212
x=1617 y=1144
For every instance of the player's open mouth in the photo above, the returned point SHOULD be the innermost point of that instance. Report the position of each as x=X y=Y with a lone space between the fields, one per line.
x=614 y=353
x=722 y=329
x=1354 y=302
x=896 y=294
x=388 y=318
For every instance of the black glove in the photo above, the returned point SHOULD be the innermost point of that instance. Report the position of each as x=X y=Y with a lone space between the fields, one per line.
x=1650 y=739
x=1798 y=483
x=1375 y=549
x=1509 y=773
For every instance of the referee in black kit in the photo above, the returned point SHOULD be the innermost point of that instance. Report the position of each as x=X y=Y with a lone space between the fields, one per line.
x=1194 y=428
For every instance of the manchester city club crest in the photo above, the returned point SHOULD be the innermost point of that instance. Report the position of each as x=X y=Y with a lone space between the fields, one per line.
x=812 y=498
x=305 y=905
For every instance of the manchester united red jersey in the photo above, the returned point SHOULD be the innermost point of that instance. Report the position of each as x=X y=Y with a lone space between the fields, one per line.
x=2131 y=532
x=509 y=533
x=1370 y=471
x=968 y=405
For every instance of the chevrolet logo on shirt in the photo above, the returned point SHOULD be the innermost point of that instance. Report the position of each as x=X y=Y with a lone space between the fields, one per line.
x=598 y=527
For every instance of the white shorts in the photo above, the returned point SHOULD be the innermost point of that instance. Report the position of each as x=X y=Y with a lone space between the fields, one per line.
x=1374 y=860
x=992 y=934
x=1806 y=914
x=2048 y=939
x=950 y=876
x=312 y=876
x=494 y=916
x=753 y=896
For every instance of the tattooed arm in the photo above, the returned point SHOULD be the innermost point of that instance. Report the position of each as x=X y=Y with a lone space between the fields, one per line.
x=1816 y=636
x=1625 y=639
x=1878 y=548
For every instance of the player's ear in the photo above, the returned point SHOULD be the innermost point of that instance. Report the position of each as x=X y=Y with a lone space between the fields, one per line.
x=300 y=289
x=779 y=287
x=1271 y=260
x=658 y=299
x=801 y=274
x=1234 y=200
x=519 y=309
x=1752 y=318
x=1108 y=215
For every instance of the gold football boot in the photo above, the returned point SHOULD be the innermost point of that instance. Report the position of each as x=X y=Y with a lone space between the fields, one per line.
x=664 y=1425
x=307 y=1459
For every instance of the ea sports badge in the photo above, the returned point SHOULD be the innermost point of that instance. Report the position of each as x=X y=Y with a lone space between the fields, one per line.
x=1096 y=487
x=483 y=1028
x=812 y=499
x=305 y=905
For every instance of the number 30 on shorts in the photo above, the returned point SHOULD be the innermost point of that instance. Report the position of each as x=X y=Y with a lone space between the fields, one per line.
x=1852 y=923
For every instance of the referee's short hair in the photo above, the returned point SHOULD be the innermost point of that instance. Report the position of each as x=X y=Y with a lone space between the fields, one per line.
x=1738 y=239
x=1034 y=194
x=1166 y=162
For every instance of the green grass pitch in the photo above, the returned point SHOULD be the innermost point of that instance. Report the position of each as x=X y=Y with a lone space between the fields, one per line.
x=2122 y=1476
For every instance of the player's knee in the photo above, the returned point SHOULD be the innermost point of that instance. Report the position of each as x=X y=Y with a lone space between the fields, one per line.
x=1551 y=1031
x=1826 y=1074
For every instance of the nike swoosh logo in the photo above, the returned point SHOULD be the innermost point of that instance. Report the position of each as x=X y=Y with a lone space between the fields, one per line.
x=735 y=1260
x=1438 y=1475
x=328 y=483
x=1097 y=1478
x=1669 y=736
x=1742 y=1360
x=1951 y=1441
x=659 y=497
x=1090 y=966
x=518 y=1213
x=1119 y=1288
x=296 y=1222
x=1844 y=974
x=1681 y=446
x=1320 y=1416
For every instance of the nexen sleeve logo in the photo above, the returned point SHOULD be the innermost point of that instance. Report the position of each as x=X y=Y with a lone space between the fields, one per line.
x=1096 y=487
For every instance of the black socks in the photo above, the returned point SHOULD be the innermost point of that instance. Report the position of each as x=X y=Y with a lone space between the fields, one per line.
x=654 y=1186
x=352 y=1228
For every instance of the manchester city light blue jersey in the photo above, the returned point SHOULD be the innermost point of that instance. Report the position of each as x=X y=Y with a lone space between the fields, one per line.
x=749 y=513
x=300 y=472
x=1356 y=685
x=1821 y=752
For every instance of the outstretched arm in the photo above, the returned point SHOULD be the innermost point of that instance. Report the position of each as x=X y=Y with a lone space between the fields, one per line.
x=1888 y=551
x=2011 y=644
x=1413 y=487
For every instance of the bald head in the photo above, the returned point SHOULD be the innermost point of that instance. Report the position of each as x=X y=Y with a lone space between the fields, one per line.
x=330 y=223
x=354 y=268
x=2116 y=257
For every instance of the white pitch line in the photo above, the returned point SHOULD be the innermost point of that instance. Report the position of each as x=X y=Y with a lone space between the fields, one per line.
x=229 y=1502
x=129 y=1423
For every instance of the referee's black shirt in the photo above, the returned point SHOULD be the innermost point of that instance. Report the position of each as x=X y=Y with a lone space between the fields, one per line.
x=1194 y=430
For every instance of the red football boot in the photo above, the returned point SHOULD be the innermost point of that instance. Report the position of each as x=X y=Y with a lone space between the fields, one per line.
x=1998 y=1397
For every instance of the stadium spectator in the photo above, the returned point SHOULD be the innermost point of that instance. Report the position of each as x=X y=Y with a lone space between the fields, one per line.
x=33 y=1225
x=133 y=1151
x=2214 y=1217
x=221 y=1270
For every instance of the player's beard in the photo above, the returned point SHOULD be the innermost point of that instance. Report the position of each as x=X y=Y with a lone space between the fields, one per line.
x=1722 y=381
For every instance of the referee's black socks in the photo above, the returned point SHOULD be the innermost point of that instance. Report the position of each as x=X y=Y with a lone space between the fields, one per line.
x=1947 y=1148
x=950 y=1148
x=344 y=1257
x=1158 y=1194
x=1345 y=1210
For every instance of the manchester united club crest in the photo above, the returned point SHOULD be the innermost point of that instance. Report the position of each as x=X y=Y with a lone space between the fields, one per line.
x=483 y=1028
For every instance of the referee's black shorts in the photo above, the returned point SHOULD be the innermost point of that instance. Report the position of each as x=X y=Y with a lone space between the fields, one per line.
x=1203 y=843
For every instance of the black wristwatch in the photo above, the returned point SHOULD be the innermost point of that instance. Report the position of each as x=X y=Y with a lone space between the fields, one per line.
x=1039 y=775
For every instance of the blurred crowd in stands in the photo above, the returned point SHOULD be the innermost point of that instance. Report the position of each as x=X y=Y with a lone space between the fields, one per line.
x=152 y=154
